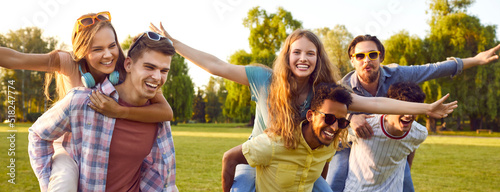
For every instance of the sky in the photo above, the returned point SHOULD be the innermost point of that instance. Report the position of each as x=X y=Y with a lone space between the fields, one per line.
x=215 y=26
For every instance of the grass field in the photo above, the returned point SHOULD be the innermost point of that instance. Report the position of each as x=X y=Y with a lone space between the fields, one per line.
x=442 y=163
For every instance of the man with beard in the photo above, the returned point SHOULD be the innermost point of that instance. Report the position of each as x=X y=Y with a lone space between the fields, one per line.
x=280 y=168
x=378 y=163
x=370 y=79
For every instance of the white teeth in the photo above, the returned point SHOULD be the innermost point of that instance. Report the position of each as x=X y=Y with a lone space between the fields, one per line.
x=107 y=63
x=328 y=133
x=301 y=66
x=152 y=85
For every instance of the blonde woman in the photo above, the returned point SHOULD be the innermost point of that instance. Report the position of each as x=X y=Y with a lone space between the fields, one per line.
x=96 y=52
x=286 y=91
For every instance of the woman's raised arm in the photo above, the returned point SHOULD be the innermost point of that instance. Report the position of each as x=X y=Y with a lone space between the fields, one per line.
x=206 y=61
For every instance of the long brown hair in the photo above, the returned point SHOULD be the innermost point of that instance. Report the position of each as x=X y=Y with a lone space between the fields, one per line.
x=282 y=102
x=81 y=40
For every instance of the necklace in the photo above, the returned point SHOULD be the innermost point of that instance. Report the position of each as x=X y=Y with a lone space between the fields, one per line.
x=303 y=106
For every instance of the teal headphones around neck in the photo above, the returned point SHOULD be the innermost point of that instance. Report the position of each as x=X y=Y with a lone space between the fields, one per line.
x=89 y=82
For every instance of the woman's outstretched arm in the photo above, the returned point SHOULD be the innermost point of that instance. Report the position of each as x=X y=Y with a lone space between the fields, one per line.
x=12 y=59
x=383 y=105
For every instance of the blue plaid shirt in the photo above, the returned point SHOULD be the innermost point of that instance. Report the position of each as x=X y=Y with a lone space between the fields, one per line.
x=89 y=142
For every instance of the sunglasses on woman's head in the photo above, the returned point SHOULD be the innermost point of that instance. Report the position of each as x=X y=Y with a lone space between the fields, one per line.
x=361 y=56
x=89 y=20
x=151 y=35
x=330 y=120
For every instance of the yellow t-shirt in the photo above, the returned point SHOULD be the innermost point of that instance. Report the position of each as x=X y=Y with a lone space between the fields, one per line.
x=280 y=169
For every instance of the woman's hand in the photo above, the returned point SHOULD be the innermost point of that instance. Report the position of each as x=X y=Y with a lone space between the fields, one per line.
x=440 y=110
x=106 y=105
x=161 y=32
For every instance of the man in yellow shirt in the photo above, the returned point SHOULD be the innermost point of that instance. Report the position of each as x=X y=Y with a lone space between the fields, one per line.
x=282 y=168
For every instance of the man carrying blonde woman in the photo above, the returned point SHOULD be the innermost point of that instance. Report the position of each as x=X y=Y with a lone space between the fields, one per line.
x=113 y=154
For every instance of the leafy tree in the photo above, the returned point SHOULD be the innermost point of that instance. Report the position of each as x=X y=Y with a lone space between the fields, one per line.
x=199 y=107
x=268 y=31
x=455 y=33
x=403 y=49
x=179 y=89
x=336 y=42
x=28 y=84
x=215 y=97
x=127 y=43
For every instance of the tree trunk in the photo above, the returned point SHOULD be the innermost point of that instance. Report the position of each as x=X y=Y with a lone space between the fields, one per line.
x=431 y=124
x=251 y=122
x=459 y=124
x=475 y=123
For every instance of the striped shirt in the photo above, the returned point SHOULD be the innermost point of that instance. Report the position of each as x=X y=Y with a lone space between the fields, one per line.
x=378 y=163
x=89 y=144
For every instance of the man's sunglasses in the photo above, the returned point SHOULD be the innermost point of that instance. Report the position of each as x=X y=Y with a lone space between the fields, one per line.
x=361 y=56
x=330 y=120
x=89 y=20
x=151 y=35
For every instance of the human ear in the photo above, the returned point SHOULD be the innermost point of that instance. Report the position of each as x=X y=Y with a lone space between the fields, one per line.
x=127 y=64
x=309 y=115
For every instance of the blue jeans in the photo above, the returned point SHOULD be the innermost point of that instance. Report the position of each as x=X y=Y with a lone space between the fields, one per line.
x=339 y=167
x=244 y=180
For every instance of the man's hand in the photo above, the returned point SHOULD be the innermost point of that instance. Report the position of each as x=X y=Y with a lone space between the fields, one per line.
x=482 y=58
x=360 y=126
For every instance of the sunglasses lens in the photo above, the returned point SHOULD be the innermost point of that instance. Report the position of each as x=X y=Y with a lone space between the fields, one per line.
x=343 y=123
x=103 y=17
x=330 y=119
x=360 y=56
x=87 y=21
x=153 y=36
x=373 y=55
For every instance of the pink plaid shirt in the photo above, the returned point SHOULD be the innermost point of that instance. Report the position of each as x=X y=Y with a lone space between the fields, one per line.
x=89 y=142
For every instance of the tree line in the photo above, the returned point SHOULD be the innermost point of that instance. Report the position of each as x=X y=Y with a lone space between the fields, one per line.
x=452 y=32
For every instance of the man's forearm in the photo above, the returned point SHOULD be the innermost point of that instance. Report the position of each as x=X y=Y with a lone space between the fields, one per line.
x=230 y=159
x=410 y=158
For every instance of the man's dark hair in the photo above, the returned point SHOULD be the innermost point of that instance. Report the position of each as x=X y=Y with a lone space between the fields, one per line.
x=332 y=92
x=361 y=38
x=406 y=91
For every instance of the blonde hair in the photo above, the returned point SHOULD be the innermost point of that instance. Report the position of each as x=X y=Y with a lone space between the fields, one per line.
x=282 y=102
x=81 y=40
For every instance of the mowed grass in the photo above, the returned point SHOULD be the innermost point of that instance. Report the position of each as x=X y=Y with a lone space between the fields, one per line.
x=441 y=163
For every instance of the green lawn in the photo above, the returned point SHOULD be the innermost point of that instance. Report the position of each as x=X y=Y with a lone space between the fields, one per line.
x=442 y=163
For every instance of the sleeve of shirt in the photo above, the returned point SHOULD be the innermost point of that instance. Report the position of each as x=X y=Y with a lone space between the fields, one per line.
x=421 y=134
x=258 y=150
x=421 y=73
x=48 y=127
x=258 y=78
